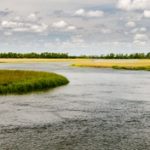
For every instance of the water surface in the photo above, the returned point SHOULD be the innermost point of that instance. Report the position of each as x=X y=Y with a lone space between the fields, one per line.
x=101 y=109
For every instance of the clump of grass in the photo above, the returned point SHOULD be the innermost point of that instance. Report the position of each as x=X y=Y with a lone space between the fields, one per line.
x=19 y=82
x=131 y=68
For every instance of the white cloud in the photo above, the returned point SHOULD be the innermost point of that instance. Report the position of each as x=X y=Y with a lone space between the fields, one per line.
x=137 y=30
x=131 y=24
x=60 y=24
x=124 y=4
x=63 y=26
x=32 y=17
x=80 y=12
x=18 y=26
x=73 y=41
x=96 y=13
x=90 y=13
x=71 y=28
x=138 y=42
x=140 y=37
x=147 y=13
x=39 y=28
x=133 y=4
x=9 y=24
x=37 y=20
x=143 y=29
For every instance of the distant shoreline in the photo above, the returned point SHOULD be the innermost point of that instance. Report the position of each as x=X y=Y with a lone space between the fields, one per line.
x=52 y=55
x=36 y=60
x=126 y=64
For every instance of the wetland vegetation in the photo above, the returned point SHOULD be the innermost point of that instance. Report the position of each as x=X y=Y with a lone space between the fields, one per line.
x=48 y=55
x=130 y=64
x=19 y=82
x=135 y=61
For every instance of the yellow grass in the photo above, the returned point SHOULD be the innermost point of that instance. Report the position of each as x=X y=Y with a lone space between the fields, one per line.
x=134 y=64
x=22 y=60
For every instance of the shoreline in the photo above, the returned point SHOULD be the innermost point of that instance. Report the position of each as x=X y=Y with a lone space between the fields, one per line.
x=129 y=64
x=36 y=60
x=124 y=64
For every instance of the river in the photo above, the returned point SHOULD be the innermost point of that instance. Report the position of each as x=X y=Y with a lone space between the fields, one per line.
x=100 y=109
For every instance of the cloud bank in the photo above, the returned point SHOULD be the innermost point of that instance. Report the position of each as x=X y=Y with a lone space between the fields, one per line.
x=76 y=27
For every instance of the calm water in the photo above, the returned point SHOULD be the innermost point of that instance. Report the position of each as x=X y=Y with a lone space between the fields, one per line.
x=101 y=109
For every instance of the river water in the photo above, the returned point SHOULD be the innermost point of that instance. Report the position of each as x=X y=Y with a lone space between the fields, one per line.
x=100 y=109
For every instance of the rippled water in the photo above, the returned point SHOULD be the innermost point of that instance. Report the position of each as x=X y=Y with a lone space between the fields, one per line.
x=101 y=109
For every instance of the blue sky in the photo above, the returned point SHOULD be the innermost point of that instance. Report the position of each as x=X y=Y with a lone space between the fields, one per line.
x=74 y=26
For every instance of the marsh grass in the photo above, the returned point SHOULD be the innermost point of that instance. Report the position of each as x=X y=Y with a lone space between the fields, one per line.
x=138 y=64
x=39 y=60
x=19 y=82
x=132 y=68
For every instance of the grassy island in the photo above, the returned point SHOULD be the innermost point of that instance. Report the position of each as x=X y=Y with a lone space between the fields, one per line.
x=19 y=82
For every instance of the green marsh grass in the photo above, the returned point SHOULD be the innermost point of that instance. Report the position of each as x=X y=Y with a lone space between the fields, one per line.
x=19 y=82
x=131 y=68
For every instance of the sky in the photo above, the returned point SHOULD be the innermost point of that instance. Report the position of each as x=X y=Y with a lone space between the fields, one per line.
x=77 y=27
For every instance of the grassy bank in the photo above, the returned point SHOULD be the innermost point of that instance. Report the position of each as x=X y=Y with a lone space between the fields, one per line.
x=129 y=64
x=132 y=68
x=19 y=82
x=37 y=60
x=135 y=64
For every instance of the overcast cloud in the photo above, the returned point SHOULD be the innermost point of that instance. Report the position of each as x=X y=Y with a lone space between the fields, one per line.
x=77 y=27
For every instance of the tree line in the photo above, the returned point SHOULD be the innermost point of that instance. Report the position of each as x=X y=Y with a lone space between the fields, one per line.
x=65 y=55
x=124 y=56
x=33 y=55
x=119 y=56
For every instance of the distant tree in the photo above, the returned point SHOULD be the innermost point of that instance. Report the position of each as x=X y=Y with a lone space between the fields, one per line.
x=65 y=55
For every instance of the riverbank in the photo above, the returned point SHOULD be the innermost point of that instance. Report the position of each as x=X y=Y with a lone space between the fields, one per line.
x=38 y=60
x=128 y=64
x=19 y=82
